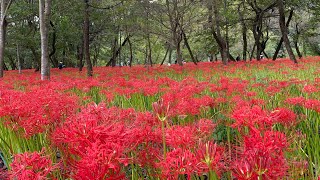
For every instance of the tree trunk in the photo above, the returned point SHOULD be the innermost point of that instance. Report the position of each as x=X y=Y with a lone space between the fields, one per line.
x=265 y=54
x=211 y=57
x=257 y=26
x=86 y=39
x=253 y=49
x=18 y=59
x=53 y=45
x=227 y=32
x=149 y=51
x=179 y=55
x=2 y=39
x=297 y=48
x=146 y=56
x=113 y=60
x=96 y=55
x=116 y=51
x=165 y=56
x=119 y=54
x=284 y=31
x=131 y=52
x=244 y=31
x=174 y=19
x=257 y=33
x=5 y=67
x=80 y=55
x=44 y=13
x=275 y=55
x=216 y=32
x=5 y=4
x=296 y=39
x=188 y=47
x=170 y=56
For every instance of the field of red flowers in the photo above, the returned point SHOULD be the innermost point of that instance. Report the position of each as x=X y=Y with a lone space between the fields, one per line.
x=248 y=120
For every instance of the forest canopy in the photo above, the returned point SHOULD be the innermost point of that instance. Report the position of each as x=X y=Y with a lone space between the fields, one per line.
x=125 y=32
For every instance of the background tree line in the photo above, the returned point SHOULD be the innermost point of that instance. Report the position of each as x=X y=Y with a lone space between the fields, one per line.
x=41 y=33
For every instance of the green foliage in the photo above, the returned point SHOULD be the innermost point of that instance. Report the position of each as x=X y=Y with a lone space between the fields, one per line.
x=115 y=20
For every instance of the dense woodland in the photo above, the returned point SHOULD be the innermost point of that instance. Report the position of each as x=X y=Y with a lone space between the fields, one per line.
x=40 y=34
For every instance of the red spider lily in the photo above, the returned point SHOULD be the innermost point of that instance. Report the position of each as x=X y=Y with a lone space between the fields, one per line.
x=220 y=100
x=145 y=144
x=255 y=85
x=100 y=161
x=295 y=100
x=31 y=166
x=272 y=140
x=161 y=110
x=147 y=155
x=192 y=106
x=262 y=156
x=97 y=142
x=283 y=84
x=309 y=89
x=93 y=142
x=143 y=119
x=283 y=116
x=211 y=156
x=251 y=94
x=3 y=172
x=179 y=162
x=238 y=101
x=205 y=127
x=181 y=136
x=230 y=86
x=313 y=104
x=253 y=118
x=109 y=95
x=35 y=111
x=256 y=102
x=243 y=170
x=272 y=90
x=186 y=104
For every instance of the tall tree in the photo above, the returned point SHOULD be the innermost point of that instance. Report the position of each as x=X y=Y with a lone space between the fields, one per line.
x=284 y=30
x=86 y=35
x=175 y=18
x=244 y=29
x=258 y=26
x=296 y=39
x=5 y=4
x=275 y=55
x=215 y=29
x=44 y=14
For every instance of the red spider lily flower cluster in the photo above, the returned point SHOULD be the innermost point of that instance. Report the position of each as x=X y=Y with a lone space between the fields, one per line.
x=313 y=104
x=35 y=111
x=179 y=162
x=207 y=157
x=195 y=121
x=253 y=118
x=93 y=142
x=256 y=119
x=283 y=116
x=32 y=166
x=262 y=156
